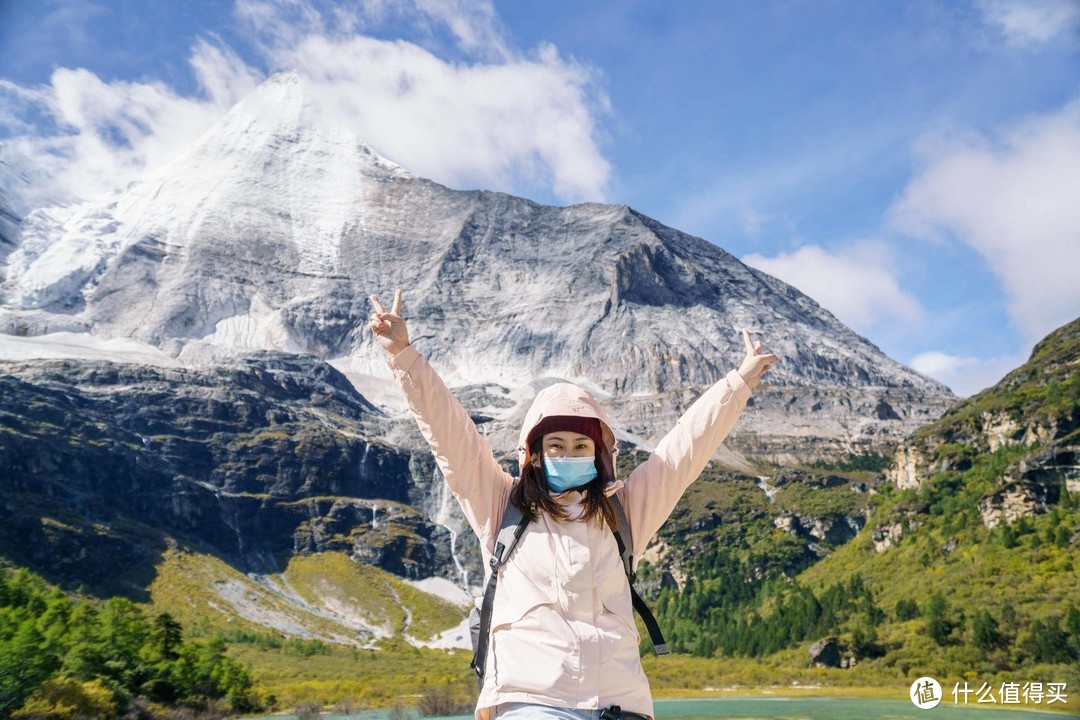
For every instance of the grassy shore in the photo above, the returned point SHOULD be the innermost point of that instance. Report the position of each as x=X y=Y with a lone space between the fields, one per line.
x=400 y=675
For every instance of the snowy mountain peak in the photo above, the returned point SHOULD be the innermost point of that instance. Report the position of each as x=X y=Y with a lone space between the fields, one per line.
x=265 y=182
x=278 y=113
x=277 y=105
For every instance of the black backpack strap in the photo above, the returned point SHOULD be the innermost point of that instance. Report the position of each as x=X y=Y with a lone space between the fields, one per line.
x=626 y=551
x=510 y=531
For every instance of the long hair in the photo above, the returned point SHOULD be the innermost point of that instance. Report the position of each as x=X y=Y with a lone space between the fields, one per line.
x=532 y=497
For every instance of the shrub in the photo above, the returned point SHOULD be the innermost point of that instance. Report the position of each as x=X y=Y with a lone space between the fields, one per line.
x=440 y=701
x=986 y=633
x=346 y=706
x=308 y=711
x=906 y=609
x=66 y=699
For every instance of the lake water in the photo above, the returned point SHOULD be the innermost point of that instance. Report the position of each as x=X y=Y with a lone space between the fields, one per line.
x=781 y=708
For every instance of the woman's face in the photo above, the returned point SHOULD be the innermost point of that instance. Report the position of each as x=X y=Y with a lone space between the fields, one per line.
x=567 y=444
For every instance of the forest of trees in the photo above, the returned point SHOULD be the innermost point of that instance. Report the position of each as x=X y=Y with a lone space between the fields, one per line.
x=63 y=658
x=723 y=610
x=717 y=612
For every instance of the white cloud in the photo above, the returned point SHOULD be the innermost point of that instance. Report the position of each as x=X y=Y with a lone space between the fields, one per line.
x=497 y=121
x=857 y=284
x=965 y=375
x=106 y=134
x=1016 y=203
x=487 y=124
x=501 y=119
x=474 y=24
x=1031 y=22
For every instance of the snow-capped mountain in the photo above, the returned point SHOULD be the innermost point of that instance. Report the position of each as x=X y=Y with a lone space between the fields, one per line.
x=270 y=232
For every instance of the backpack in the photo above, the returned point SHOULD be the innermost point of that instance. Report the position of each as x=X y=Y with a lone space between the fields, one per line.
x=513 y=525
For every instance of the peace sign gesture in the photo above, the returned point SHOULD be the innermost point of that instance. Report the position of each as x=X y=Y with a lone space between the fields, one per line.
x=756 y=363
x=389 y=327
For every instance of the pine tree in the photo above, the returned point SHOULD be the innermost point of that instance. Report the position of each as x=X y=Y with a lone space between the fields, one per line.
x=986 y=634
x=23 y=667
x=938 y=625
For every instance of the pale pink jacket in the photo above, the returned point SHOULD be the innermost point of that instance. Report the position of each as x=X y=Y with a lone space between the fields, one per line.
x=562 y=627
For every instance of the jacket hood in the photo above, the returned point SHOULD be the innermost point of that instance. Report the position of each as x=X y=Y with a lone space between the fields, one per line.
x=569 y=399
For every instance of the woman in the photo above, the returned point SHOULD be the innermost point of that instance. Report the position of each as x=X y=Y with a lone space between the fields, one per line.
x=563 y=642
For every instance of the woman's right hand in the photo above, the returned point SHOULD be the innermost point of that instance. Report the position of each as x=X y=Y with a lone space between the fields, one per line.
x=389 y=327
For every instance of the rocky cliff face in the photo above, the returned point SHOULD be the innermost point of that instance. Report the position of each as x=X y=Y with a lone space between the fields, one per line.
x=256 y=459
x=1030 y=421
x=9 y=227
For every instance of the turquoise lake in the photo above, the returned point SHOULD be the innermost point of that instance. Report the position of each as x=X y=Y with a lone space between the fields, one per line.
x=781 y=708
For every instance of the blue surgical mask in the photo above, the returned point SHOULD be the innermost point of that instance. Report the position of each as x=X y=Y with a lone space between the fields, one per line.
x=568 y=473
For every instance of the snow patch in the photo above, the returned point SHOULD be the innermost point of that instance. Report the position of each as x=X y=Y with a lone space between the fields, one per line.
x=68 y=345
x=261 y=328
x=443 y=588
x=457 y=637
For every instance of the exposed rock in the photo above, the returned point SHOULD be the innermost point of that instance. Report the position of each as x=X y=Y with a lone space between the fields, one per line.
x=1052 y=467
x=9 y=227
x=907 y=470
x=891 y=532
x=834 y=529
x=252 y=460
x=1000 y=429
x=885 y=536
x=1032 y=486
x=788 y=523
x=825 y=653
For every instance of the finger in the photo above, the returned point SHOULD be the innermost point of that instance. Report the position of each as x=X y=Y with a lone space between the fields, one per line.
x=396 y=307
x=376 y=303
x=757 y=346
x=748 y=342
x=390 y=316
x=769 y=358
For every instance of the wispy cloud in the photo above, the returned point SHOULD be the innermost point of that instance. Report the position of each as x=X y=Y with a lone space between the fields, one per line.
x=965 y=375
x=857 y=283
x=491 y=116
x=81 y=136
x=1025 y=23
x=1013 y=199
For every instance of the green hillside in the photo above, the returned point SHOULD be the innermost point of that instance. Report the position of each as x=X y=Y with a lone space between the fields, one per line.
x=967 y=571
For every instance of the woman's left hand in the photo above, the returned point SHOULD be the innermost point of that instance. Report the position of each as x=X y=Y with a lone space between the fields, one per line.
x=756 y=363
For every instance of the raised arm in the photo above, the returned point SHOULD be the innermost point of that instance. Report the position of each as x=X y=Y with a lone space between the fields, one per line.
x=463 y=455
x=654 y=487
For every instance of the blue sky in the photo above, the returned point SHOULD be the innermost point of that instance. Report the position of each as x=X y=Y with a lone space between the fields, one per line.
x=914 y=166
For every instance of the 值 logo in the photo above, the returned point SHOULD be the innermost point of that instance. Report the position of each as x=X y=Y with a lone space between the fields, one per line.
x=925 y=693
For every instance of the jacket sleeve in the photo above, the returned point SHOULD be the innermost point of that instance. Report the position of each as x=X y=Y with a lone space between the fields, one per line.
x=464 y=456
x=654 y=487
